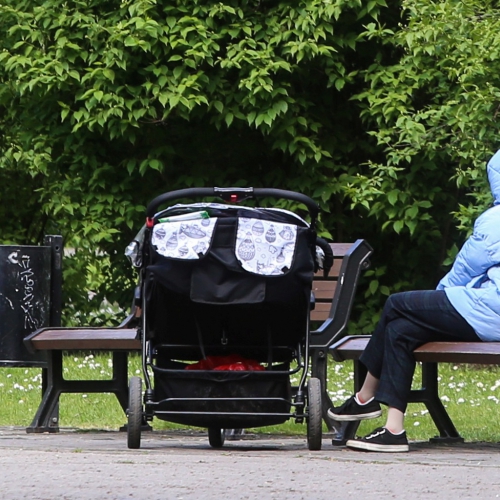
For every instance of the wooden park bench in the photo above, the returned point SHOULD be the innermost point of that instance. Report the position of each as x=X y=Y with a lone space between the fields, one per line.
x=333 y=294
x=430 y=355
x=333 y=301
x=120 y=341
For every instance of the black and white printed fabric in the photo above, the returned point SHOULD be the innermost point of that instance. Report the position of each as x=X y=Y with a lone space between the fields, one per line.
x=265 y=247
x=219 y=254
x=189 y=240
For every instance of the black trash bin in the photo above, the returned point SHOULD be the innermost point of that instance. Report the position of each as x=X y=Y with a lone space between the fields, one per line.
x=30 y=281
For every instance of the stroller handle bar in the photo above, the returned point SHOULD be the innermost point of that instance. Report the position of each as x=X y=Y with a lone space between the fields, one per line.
x=233 y=195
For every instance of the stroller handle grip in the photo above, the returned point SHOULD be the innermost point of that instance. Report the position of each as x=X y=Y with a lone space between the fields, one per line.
x=234 y=195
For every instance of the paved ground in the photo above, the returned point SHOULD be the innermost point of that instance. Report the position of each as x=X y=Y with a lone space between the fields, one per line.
x=78 y=465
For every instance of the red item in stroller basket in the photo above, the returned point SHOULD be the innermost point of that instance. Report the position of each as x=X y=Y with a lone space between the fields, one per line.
x=233 y=362
x=248 y=366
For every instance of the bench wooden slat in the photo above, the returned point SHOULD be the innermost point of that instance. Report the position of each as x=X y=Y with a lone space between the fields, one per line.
x=340 y=249
x=459 y=352
x=86 y=339
x=334 y=271
x=432 y=352
x=324 y=290
x=349 y=348
x=321 y=312
x=324 y=287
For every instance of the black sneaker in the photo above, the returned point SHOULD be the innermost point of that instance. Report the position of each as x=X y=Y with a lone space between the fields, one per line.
x=352 y=411
x=380 y=439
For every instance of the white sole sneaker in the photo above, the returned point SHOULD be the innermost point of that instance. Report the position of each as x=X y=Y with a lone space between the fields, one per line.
x=354 y=418
x=356 y=444
x=381 y=439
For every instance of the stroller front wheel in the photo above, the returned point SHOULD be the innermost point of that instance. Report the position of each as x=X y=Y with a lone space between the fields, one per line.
x=216 y=437
x=134 y=413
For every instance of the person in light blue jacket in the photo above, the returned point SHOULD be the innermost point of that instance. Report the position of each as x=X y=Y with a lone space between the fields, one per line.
x=473 y=283
x=465 y=307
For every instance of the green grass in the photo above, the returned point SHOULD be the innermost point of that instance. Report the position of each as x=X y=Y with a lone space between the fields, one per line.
x=471 y=395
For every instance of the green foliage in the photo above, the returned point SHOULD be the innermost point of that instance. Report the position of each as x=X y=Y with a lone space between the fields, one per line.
x=107 y=105
x=384 y=113
x=433 y=112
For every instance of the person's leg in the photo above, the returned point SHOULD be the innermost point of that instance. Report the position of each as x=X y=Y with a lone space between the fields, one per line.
x=415 y=318
x=375 y=349
x=368 y=389
x=409 y=319
x=362 y=406
x=395 y=421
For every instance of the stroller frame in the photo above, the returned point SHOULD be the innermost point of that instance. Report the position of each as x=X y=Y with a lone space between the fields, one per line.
x=173 y=393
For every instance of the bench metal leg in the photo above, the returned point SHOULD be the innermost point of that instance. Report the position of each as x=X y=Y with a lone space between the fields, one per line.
x=46 y=418
x=47 y=415
x=347 y=430
x=429 y=395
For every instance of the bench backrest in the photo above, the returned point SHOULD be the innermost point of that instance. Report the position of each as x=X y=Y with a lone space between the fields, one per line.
x=334 y=294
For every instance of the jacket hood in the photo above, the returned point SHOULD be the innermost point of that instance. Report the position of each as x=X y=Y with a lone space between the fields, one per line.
x=493 y=169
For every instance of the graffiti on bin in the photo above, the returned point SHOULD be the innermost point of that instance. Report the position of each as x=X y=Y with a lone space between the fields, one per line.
x=27 y=282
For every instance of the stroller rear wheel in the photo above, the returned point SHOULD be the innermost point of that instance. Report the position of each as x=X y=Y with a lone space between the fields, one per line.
x=315 y=417
x=134 y=413
x=216 y=437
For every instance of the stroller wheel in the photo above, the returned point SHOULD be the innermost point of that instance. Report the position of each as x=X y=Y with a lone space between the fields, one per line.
x=134 y=413
x=216 y=437
x=315 y=417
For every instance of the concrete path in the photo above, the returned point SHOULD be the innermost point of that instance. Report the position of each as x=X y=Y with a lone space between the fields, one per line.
x=74 y=465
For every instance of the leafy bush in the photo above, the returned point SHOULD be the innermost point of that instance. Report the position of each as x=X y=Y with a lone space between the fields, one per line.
x=385 y=114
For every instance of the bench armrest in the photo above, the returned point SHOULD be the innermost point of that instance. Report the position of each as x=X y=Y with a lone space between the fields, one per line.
x=354 y=261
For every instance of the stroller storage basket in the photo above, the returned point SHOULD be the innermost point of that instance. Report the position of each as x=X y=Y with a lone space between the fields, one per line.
x=226 y=399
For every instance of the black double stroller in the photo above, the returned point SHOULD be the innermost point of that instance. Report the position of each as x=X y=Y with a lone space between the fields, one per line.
x=225 y=295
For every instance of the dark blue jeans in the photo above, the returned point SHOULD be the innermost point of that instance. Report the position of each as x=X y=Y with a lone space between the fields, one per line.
x=410 y=319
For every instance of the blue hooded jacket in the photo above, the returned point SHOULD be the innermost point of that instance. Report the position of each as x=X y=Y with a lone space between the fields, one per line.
x=473 y=283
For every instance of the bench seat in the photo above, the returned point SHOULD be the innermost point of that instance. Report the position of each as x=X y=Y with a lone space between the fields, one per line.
x=120 y=341
x=75 y=339
x=484 y=353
